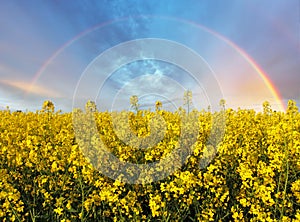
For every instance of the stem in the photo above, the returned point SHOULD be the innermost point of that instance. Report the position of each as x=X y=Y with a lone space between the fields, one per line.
x=285 y=186
x=14 y=212
x=278 y=188
x=82 y=199
x=286 y=180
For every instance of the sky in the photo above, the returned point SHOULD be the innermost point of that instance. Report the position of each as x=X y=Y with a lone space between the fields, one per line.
x=246 y=52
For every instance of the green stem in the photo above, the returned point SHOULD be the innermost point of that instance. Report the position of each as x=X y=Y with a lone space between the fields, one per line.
x=82 y=199
x=278 y=188
x=285 y=188
x=286 y=179
x=15 y=213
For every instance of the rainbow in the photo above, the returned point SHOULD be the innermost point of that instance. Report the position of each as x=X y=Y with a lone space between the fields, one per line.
x=263 y=75
x=57 y=52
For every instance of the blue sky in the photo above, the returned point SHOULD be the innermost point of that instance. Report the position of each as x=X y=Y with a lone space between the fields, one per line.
x=72 y=36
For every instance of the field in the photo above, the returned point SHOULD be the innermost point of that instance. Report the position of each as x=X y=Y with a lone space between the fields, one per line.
x=241 y=165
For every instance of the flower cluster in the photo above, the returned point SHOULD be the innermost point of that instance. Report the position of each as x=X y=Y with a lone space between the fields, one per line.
x=48 y=173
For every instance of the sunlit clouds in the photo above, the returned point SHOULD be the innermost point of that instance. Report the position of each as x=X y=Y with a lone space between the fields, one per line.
x=28 y=88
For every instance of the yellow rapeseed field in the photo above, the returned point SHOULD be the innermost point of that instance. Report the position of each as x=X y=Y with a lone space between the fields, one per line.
x=251 y=174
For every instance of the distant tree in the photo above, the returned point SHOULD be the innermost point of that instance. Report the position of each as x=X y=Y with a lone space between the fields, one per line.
x=187 y=98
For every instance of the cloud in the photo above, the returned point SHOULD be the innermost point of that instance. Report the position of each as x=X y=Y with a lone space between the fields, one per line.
x=28 y=88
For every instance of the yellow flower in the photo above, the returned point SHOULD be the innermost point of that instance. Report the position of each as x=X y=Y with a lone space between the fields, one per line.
x=58 y=210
